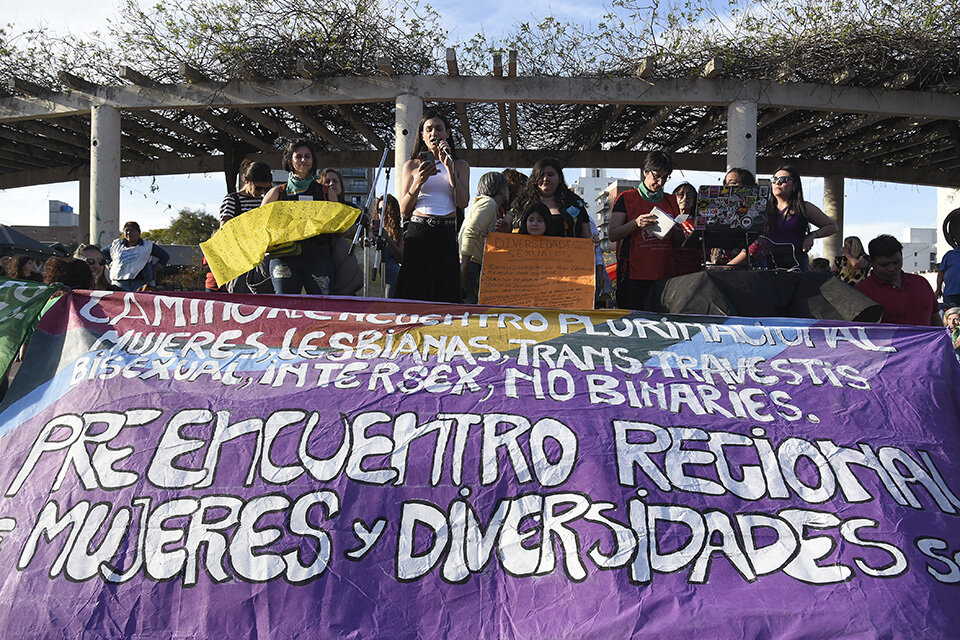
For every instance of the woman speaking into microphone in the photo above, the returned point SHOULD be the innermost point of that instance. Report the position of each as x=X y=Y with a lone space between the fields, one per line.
x=433 y=185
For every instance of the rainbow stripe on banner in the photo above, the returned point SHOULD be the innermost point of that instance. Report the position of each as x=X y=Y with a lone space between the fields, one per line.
x=229 y=466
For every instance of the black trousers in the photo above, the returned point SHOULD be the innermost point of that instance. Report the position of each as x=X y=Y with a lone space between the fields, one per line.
x=431 y=262
x=632 y=294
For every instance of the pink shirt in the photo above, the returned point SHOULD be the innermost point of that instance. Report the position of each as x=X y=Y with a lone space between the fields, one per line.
x=914 y=303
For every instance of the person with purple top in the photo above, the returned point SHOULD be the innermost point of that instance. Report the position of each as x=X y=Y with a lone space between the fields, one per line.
x=788 y=236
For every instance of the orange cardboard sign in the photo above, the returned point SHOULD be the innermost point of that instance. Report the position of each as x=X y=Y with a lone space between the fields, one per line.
x=537 y=271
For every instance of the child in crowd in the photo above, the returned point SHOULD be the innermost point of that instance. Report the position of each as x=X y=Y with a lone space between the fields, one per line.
x=533 y=222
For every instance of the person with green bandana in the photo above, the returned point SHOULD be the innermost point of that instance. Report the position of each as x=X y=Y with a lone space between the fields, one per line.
x=642 y=257
x=306 y=264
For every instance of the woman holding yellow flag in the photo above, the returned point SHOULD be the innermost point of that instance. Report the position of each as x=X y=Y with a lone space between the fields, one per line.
x=306 y=264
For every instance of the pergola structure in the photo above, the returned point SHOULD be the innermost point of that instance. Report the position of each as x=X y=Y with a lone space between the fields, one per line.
x=99 y=133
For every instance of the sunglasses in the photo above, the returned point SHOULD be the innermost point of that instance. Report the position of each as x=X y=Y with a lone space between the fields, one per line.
x=258 y=189
x=93 y=261
x=660 y=177
x=780 y=179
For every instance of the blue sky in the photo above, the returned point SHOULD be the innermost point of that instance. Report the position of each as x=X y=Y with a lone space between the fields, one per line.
x=870 y=207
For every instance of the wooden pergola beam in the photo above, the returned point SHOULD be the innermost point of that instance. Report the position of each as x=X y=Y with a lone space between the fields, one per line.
x=923 y=150
x=36 y=156
x=709 y=70
x=319 y=128
x=886 y=128
x=78 y=84
x=646 y=68
x=777 y=138
x=223 y=126
x=923 y=136
x=939 y=157
x=21 y=158
x=521 y=158
x=276 y=125
x=26 y=86
x=80 y=151
x=453 y=69
x=577 y=90
x=843 y=77
x=132 y=75
x=659 y=117
x=514 y=126
x=708 y=123
x=305 y=69
x=49 y=129
x=195 y=76
x=82 y=128
x=362 y=127
x=832 y=133
x=200 y=137
x=607 y=117
x=501 y=107
x=132 y=126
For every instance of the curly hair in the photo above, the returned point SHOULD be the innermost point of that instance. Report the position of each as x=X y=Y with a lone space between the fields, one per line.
x=68 y=271
x=563 y=197
x=15 y=267
x=518 y=183
x=390 y=216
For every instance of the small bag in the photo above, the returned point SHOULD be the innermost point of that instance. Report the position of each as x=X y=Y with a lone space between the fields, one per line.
x=284 y=250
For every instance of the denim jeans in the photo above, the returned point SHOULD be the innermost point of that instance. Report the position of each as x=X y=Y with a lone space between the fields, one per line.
x=312 y=270
x=130 y=285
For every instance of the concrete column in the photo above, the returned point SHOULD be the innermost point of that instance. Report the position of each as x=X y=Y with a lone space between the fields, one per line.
x=104 y=174
x=833 y=207
x=409 y=112
x=742 y=135
x=84 y=207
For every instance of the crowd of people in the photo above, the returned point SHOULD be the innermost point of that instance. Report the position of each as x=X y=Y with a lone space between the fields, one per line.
x=431 y=236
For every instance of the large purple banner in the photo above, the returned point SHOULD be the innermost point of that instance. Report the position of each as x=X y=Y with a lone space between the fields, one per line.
x=285 y=467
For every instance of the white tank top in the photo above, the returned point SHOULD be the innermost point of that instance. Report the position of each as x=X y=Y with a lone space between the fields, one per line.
x=436 y=195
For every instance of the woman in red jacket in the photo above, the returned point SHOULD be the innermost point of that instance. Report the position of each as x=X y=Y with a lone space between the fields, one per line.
x=642 y=257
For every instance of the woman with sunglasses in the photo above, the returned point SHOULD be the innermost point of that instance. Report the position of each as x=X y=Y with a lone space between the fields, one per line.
x=95 y=260
x=788 y=236
x=256 y=179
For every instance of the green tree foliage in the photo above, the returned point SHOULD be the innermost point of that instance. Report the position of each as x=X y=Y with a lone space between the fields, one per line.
x=188 y=227
x=236 y=38
x=873 y=43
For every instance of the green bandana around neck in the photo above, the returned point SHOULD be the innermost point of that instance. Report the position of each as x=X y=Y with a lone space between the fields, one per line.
x=650 y=196
x=298 y=185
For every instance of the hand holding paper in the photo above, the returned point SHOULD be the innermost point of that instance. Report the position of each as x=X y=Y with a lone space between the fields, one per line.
x=663 y=225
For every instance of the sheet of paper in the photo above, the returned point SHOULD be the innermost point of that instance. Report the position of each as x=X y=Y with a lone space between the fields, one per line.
x=663 y=225
x=537 y=271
